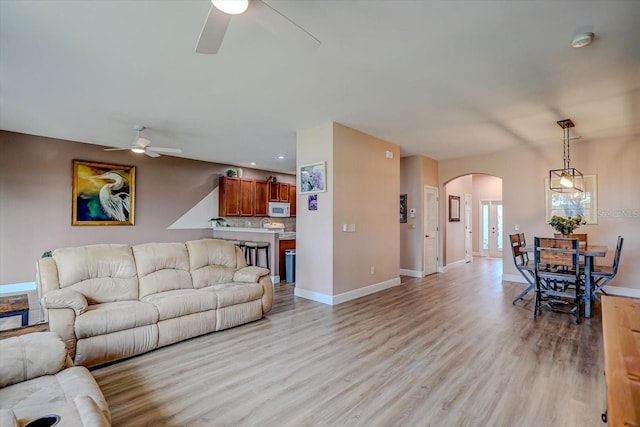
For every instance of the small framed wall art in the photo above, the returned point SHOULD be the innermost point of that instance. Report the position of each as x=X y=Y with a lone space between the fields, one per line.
x=102 y=194
x=313 y=178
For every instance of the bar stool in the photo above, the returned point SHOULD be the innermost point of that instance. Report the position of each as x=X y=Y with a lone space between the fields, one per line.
x=240 y=244
x=252 y=251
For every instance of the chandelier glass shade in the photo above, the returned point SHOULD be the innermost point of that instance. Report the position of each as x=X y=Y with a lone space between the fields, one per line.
x=567 y=179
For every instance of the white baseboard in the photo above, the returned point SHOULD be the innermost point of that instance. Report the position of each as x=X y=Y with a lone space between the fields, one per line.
x=623 y=292
x=411 y=273
x=18 y=288
x=514 y=278
x=346 y=296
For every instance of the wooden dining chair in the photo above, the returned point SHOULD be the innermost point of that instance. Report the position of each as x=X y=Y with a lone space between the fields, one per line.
x=557 y=276
x=522 y=262
x=603 y=274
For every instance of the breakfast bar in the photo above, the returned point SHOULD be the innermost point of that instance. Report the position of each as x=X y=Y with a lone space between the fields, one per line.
x=271 y=236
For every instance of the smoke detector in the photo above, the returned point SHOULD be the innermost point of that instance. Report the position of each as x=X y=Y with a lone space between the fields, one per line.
x=582 y=40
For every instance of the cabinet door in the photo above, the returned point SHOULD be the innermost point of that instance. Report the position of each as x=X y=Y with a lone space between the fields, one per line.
x=247 y=197
x=292 y=200
x=274 y=192
x=283 y=191
x=228 y=196
x=262 y=198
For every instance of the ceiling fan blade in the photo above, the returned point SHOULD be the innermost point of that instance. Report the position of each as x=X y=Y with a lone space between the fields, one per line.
x=151 y=153
x=281 y=26
x=165 y=150
x=117 y=149
x=213 y=31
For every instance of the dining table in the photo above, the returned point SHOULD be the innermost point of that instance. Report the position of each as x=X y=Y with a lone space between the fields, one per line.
x=588 y=252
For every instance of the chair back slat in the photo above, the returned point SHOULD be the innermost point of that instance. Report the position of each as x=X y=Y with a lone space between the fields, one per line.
x=557 y=251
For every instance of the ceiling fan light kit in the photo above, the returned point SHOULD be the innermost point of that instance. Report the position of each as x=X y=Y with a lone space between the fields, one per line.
x=567 y=179
x=582 y=40
x=142 y=145
x=232 y=7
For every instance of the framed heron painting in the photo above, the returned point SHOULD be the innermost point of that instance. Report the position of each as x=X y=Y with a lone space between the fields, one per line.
x=103 y=194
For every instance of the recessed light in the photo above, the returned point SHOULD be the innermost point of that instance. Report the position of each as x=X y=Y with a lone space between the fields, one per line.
x=281 y=157
x=582 y=40
x=253 y=163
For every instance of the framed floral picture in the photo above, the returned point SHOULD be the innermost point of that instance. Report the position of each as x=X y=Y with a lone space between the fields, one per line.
x=102 y=194
x=313 y=178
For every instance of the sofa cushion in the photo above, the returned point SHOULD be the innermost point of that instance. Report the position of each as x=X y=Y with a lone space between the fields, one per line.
x=235 y=293
x=181 y=302
x=162 y=267
x=213 y=261
x=30 y=356
x=54 y=394
x=102 y=273
x=100 y=319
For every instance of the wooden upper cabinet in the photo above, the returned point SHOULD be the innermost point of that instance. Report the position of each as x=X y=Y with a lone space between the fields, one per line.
x=278 y=192
x=236 y=196
x=292 y=200
x=247 y=197
x=251 y=197
x=262 y=198
x=229 y=196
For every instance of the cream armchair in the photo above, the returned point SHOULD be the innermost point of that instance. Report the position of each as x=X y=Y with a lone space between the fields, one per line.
x=37 y=379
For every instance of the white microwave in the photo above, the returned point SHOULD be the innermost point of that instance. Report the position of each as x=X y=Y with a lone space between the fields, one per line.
x=279 y=210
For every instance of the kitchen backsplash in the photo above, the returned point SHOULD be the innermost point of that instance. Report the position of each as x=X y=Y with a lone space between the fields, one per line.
x=289 y=223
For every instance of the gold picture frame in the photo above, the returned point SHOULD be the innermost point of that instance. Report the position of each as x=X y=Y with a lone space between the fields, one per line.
x=102 y=194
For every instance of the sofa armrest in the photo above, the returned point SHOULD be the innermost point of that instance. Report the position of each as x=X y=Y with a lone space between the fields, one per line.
x=8 y=418
x=65 y=298
x=250 y=274
x=90 y=413
x=30 y=356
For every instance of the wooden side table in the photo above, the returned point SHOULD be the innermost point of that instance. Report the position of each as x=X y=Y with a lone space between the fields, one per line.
x=15 y=305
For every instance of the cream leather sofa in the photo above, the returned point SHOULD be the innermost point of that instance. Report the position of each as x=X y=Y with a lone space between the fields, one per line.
x=109 y=302
x=37 y=379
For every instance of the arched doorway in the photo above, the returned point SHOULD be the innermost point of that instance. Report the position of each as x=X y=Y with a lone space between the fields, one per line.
x=476 y=228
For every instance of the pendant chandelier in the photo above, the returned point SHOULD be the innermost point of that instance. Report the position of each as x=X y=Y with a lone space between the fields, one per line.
x=567 y=179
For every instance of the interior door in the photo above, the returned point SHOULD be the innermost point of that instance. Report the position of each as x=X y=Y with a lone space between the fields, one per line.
x=431 y=233
x=468 y=228
x=491 y=225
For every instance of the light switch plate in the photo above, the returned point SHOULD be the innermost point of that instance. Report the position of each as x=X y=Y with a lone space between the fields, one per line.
x=349 y=228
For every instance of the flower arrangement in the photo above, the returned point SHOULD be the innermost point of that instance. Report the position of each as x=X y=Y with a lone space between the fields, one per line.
x=566 y=225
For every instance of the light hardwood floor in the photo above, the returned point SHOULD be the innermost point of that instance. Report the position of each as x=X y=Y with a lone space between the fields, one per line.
x=446 y=350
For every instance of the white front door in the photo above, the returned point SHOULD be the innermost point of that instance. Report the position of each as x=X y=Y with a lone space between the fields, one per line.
x=491 y=225
x=430 y=221
x=468 y=228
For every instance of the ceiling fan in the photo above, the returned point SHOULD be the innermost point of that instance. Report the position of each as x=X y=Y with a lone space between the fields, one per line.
x=143 y=145
x=222 y=11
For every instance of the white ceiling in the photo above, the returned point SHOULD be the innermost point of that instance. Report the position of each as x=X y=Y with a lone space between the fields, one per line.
x=441 y=78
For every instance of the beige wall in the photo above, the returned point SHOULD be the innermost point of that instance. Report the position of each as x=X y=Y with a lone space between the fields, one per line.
x=454 y=243
x=314 y=237
x=35 y=199
x=615 y=161
x=367 y=193
x=362 y=189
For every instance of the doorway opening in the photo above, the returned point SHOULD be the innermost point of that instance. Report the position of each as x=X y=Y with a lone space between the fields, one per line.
x=476 y=232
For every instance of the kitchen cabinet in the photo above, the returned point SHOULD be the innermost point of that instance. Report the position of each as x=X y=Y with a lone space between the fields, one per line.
x=262 y=199
x=283 y=246
x=236 y=196
x=278 y=192
x=292 y=200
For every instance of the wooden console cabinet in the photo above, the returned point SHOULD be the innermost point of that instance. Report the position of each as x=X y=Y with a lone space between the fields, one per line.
x=621 y=334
